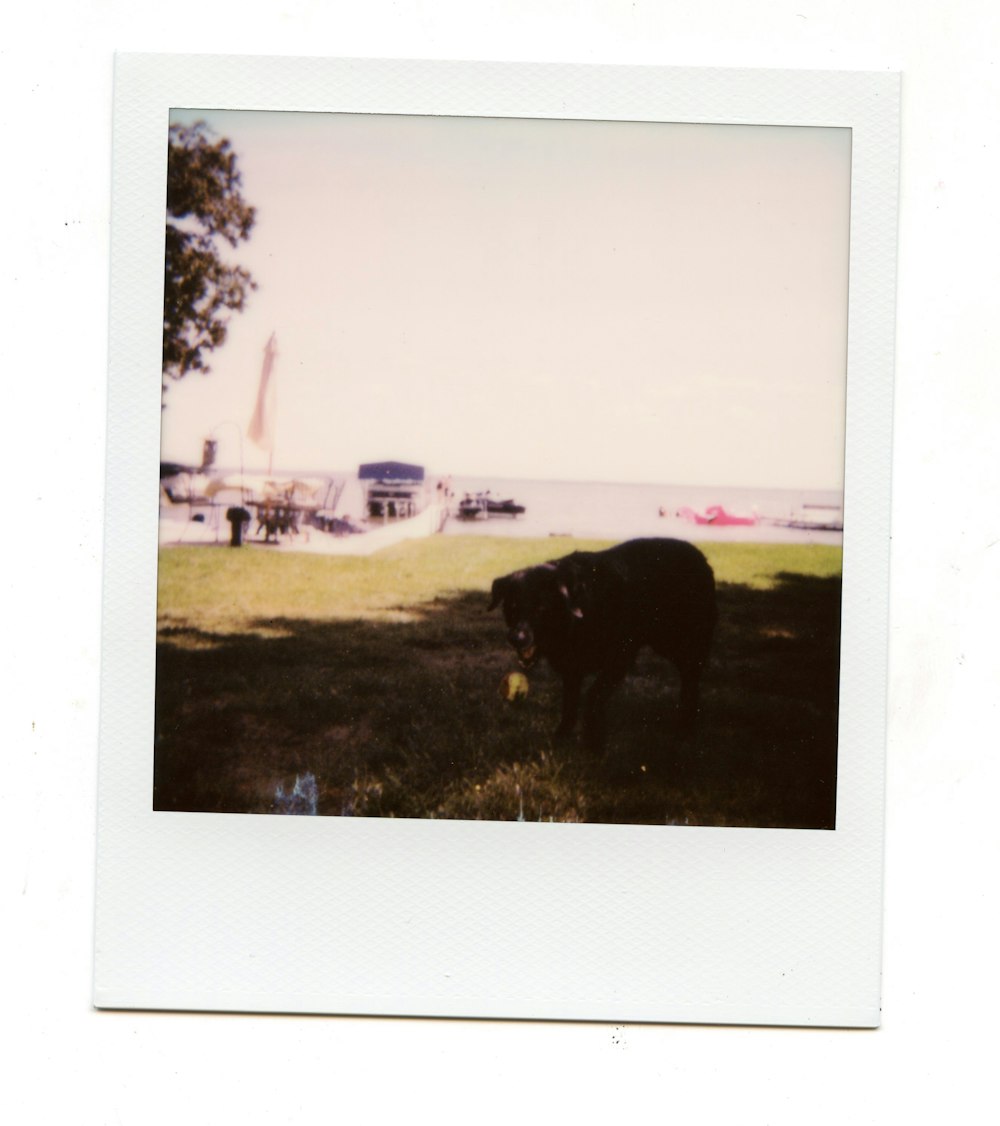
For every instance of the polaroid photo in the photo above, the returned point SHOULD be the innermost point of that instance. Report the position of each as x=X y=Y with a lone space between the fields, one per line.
x=496 y=581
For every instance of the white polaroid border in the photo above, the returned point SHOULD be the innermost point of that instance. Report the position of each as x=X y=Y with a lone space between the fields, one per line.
x=432 y=918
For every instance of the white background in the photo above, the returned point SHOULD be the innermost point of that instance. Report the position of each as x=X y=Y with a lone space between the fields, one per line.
x=933 y=1057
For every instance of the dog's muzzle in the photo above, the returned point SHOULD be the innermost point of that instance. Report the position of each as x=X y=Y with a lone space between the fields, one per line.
x=523 y=642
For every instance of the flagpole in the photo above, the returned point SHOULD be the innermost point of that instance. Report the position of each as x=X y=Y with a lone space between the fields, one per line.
x=262 y=424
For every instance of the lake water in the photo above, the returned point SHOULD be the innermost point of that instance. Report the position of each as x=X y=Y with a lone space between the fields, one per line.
x=600 y=510
x=616 y=511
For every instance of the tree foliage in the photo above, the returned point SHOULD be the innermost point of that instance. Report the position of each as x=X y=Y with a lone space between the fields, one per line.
x=205 y=210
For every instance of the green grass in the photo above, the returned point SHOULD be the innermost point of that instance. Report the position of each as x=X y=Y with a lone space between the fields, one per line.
x=381 y=676
x=236 y=591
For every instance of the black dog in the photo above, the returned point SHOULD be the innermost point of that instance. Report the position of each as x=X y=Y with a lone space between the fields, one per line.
x=591 y=612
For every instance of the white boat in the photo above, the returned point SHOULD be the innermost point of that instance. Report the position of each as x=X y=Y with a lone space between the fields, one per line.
x=484 y=505
x=810 y=518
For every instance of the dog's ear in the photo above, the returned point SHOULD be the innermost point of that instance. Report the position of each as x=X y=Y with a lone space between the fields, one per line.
x=572 y=586
x=499 y=590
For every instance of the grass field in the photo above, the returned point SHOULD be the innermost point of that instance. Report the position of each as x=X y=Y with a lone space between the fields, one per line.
x=381 y=677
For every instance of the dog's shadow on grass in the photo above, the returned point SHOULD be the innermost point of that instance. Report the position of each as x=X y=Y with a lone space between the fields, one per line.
x=407 y=718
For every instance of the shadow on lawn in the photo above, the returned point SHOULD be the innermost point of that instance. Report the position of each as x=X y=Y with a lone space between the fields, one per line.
x=405 y=719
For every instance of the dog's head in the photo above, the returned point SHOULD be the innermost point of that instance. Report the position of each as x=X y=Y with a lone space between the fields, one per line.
x=539 y=606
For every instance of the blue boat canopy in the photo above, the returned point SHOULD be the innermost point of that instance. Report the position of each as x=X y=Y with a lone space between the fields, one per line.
x=390 y=471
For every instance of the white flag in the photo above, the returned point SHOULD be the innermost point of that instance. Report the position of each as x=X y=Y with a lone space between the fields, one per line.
x=261 y=429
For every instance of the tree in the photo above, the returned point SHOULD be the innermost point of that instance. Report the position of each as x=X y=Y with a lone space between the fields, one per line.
x=204 y=209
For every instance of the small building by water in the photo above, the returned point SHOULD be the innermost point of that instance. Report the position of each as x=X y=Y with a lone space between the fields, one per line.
x=392 y=489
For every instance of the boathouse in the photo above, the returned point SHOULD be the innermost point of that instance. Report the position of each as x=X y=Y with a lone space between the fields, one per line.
x=393 y=489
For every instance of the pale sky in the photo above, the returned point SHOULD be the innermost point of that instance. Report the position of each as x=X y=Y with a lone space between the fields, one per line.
x=595 y=301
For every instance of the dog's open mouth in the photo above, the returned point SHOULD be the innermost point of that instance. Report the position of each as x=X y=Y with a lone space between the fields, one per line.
x=527 y=656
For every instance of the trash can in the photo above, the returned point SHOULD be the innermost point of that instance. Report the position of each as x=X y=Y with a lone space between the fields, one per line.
x=238 y=518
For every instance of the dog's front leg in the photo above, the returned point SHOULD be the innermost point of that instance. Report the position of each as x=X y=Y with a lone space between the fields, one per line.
x=606 y=681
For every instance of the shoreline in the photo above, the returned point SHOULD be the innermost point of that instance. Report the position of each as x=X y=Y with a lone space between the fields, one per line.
x=313 y=541
x=552 y=510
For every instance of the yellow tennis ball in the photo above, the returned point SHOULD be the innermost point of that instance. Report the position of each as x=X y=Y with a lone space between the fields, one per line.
x=514 y=686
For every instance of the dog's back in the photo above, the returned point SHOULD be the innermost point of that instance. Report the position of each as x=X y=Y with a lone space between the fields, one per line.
x=659 y=592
